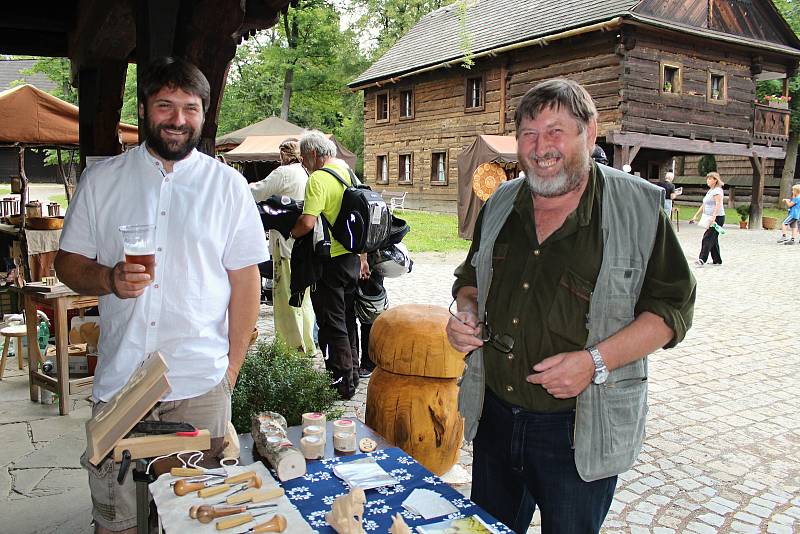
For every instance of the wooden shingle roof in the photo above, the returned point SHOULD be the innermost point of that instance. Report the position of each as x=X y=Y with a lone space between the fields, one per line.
x=491 y=24
x=437 y=37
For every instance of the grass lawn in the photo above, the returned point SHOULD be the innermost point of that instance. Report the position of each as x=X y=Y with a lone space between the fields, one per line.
x=432 y=232
x=61 y=199
x=731 y=217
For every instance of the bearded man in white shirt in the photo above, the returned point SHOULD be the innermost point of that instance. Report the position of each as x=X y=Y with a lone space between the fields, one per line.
x=200 y=308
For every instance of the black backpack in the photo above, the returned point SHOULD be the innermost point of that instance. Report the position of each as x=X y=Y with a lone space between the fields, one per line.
x=364 y=220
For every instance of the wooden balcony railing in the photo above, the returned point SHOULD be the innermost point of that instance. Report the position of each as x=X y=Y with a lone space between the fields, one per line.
x=770 y=124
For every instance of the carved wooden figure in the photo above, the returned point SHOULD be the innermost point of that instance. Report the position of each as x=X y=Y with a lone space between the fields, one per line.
x=399 y=526
x=347 y=512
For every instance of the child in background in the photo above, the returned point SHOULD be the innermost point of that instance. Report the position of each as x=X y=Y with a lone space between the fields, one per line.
x=793 y=219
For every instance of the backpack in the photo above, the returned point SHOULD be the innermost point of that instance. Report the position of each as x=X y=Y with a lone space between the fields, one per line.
x=364 y=220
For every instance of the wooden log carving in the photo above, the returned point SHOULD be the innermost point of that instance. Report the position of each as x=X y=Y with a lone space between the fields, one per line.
x=419 y=415
x=270 y=438
x=347 y=512
x=411 y=340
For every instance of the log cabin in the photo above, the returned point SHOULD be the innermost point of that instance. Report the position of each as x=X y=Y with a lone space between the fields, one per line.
x=669 y=78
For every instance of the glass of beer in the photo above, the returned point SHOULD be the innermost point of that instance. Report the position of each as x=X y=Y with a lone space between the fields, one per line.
x=139 y=242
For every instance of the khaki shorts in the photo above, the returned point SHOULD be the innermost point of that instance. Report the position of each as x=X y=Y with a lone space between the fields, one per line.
x=114 y=505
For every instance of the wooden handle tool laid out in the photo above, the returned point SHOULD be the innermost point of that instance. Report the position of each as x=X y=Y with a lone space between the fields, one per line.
x=183 y=487
x=276 y=524
x=242 y=495
x=197 y=471
x=207 y=513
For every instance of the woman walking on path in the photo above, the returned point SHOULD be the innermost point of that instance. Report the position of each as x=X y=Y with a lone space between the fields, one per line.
x=713 y=218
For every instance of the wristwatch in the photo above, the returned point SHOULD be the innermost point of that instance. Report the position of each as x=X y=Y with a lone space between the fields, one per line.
x=600 y=369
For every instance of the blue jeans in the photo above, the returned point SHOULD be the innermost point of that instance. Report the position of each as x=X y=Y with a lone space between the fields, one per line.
x=525 y=459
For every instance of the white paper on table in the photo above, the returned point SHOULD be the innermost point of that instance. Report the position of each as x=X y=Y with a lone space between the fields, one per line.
x=365 y=474
x=173 y=511
x=428 y=504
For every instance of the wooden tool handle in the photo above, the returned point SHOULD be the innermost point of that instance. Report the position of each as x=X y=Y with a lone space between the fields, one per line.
x=215 y=490
x=182 y=487
x=186 y=472
x=242 y=477
x=207 y=513
x=242 y=497
x=276 y=524
x=234 y=521
x=272 y=493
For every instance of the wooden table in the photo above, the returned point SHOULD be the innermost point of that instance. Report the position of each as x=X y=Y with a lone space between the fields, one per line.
x=60 y=301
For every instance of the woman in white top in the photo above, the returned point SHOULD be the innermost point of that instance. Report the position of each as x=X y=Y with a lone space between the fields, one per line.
x=713 y=211
x=294 y=325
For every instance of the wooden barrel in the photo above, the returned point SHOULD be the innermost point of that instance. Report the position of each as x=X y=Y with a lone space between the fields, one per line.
x=412 y=399
x=419 y=415
x=411 y=340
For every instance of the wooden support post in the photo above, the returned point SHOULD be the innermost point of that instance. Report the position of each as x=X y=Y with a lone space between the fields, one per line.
x=100 y=92
x=757 y=198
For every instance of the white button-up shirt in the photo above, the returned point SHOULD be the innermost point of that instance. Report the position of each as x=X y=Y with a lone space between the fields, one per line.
x=206 y=224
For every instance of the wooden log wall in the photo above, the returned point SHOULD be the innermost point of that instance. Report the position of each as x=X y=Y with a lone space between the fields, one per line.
x=589 y=60
x=688 y=114
x=440 y=124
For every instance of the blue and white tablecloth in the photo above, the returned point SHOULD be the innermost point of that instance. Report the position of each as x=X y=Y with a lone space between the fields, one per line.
x=313 y=494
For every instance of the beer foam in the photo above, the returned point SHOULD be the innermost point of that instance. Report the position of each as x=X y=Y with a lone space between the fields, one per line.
x=139 y=248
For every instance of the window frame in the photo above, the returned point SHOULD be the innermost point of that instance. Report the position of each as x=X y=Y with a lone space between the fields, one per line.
x=379 y=177
x=467 y=93
x=723 y=99
x=401 y=103
x=400 y=180
x=677 y=87
x=378 y=95
x=434 y=171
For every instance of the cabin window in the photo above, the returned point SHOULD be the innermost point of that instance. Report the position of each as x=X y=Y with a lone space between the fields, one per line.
x=439 y=168
x=717 y=87
x=382 y=107
x=407 y=104
x=671 y=78
x=382 y=169
x=474 y=94
x=404 y=165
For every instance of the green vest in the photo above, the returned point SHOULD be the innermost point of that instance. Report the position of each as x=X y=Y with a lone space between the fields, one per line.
x=610 y=417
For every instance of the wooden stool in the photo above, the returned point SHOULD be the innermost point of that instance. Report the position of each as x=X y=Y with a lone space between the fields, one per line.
x=675 y=216
x=18 y=331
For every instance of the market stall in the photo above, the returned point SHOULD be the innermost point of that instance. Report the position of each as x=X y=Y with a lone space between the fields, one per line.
x=494 y=149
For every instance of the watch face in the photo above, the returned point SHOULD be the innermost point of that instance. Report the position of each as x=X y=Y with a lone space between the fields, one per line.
x=600 y=376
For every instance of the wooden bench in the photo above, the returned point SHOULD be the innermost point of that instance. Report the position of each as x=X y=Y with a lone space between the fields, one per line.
x=395 y=199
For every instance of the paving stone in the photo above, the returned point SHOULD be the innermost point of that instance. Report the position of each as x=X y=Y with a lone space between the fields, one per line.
x=26 y=480
x=744 y=528
x=639 y=518
x=760 y=511
x=712 y=519
x=16 y=442
x=748 y=518
x=701 y=528
x=777 y=528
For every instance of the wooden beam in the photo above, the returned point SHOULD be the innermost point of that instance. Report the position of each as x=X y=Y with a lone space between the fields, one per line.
x=757 y=199
x=680 y=145
x=100 y=91
x=632 y=153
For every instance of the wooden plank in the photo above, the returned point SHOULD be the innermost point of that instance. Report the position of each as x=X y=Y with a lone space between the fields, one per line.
x=676 y=144
x=147 y=386
x=152 y=446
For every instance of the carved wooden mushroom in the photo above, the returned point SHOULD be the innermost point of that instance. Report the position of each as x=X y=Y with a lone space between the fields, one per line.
x=412 y=399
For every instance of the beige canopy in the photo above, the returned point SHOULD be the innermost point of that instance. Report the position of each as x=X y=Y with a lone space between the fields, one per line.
x=267 y=127
x=485 y=149
x=265 y=148
x=29 y=116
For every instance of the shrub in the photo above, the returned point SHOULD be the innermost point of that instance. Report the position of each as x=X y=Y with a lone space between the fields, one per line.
x=744 y=211
x=275 y=377
x=706 y=164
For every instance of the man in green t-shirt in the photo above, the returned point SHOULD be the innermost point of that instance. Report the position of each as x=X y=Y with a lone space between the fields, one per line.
x=333 y=296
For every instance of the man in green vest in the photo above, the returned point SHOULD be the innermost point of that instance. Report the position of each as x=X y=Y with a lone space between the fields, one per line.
x=574 y=276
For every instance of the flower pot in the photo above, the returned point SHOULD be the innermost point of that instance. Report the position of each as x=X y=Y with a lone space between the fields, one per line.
x=778 y=104
x=769 y=223
x=743 y=225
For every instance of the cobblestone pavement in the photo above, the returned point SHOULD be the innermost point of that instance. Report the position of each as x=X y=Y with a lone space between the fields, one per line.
x=723 y=437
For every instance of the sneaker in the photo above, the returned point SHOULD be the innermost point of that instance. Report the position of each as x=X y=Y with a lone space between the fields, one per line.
x=364 y=373
x=782 y=239
x=699 y=263
x=789 y=242
x=716 y=264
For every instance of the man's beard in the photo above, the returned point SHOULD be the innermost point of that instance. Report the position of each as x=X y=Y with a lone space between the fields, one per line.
x=170 y=150
x=566 y=181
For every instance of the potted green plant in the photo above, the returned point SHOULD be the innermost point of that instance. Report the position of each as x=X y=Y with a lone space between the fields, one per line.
x=278 y=378
x=667 y=87
x=744 y=212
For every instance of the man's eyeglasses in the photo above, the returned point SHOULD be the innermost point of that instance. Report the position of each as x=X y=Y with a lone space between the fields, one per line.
x=502 y=342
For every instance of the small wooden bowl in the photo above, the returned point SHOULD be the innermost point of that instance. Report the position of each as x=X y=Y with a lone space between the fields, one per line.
x=44 y=223
x=14 y=220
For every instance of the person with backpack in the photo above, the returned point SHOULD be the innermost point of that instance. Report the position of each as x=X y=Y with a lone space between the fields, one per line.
x=332 y=297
